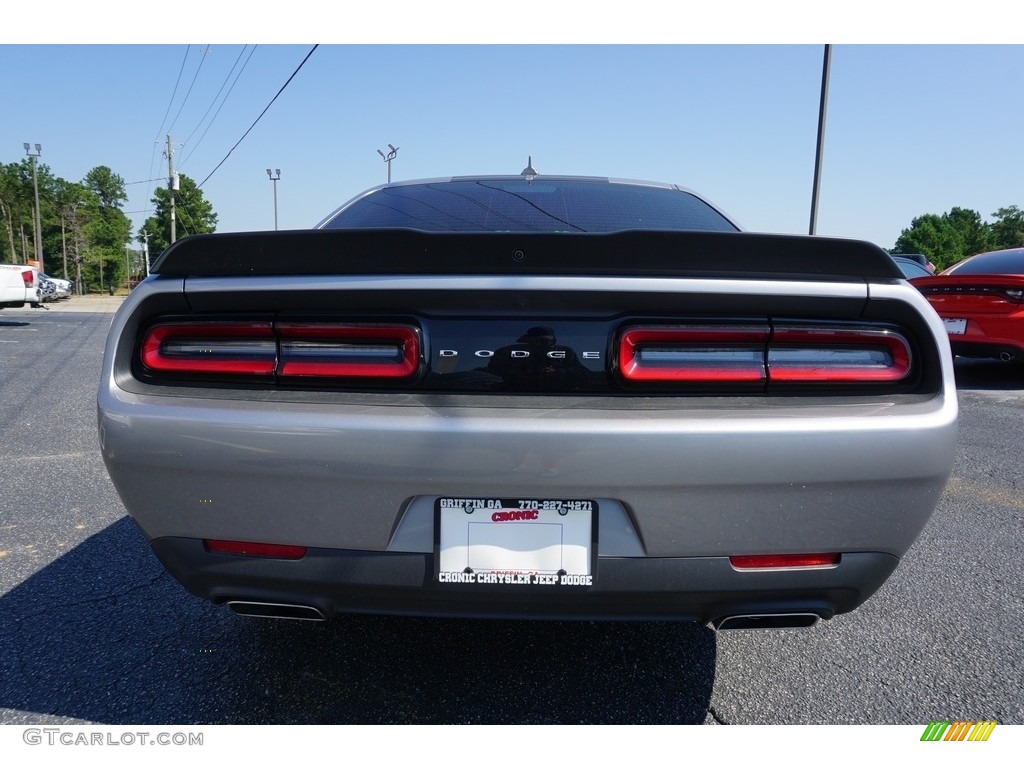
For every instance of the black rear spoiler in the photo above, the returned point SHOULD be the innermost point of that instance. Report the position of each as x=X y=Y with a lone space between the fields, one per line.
x=633 y=253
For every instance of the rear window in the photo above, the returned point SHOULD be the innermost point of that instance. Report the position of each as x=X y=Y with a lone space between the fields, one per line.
x=518 y=205
x=1009 y=262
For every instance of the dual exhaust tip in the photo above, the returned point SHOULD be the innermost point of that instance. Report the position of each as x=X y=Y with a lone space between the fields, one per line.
x=276 y=610
x=767 y=621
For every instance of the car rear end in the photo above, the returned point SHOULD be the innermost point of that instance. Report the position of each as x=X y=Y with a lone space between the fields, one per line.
x=19 y=285
x=983 y=314
x=744 y=429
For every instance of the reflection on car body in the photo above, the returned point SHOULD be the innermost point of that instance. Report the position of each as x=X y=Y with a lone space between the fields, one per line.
x=531 y=397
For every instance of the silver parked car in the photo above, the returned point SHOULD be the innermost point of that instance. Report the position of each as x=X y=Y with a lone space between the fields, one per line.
x=529 y=397
x=61 y=288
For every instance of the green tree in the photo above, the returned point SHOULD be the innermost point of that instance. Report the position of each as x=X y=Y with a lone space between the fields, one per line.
x=946 y=239
x=75 y=206
x=84 y=229
x=194 y=215
x=14 y=212
x=107 y=186
x=17 y=210
x=108 y=229
x=1008 y=228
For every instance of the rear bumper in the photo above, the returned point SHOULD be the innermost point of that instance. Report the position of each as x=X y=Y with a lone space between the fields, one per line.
x=690 y=481
x=681 y=483
x=697 y=589
x=1004 y=349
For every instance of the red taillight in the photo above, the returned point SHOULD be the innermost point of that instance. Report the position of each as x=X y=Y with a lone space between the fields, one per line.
x=733 y=354
x=252 y=549
x=28 y=278
x=752 y=353
x=286 y=350
x=212 y=348
x=837 y=355
x=367 y=351
x=755 y=562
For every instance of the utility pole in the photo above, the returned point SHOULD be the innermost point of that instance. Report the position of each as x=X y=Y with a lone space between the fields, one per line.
x=172 y=185
x=820 y=151
x=76 y=242
x=127 y=266
x=145 y=248
x=64 y=241
x=388 y=158
x=275 y=179
x=35 y=185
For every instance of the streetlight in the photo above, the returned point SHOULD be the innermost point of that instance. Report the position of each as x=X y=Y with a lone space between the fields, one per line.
x=826 y=66
x=35 y=185
x=274 y=179
x=388 y=158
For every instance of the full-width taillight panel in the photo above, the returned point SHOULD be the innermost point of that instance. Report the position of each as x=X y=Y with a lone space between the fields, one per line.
x=773 y=354
x=285 y=351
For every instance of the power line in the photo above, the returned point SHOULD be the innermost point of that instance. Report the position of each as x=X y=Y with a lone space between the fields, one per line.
x=220 y=90
x=303 y=62
x=191 y=85
x=173 y=93
x=152 y=157
x=219 y=108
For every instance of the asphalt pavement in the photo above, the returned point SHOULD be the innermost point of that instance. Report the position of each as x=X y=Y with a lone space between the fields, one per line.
x=87 y=303
x=92 y=630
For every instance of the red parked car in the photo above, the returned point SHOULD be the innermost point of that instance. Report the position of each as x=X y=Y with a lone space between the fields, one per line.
x=981 y=301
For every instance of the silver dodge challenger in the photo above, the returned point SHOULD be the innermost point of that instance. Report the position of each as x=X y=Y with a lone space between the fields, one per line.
x=531 y=397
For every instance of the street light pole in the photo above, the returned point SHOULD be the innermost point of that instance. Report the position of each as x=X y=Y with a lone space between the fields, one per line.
x=388 y=158
x=275 y=179
x=819 y=153
x=35 y=185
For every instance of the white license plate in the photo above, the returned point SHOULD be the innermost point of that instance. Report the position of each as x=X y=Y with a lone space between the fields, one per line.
x=955 y=326
x=528 y=542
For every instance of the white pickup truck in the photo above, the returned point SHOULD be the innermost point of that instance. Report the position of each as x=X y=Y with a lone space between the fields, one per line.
x=19 y=285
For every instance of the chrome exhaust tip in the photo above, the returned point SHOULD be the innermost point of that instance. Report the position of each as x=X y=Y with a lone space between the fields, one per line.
x=1006 y=356
x=767 y=621
x=276 y=610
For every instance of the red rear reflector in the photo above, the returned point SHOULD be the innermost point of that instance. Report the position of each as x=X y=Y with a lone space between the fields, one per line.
x=366 y=351
x=819 y=560
x=251 y=549
x=235 y=348
x=719 y=354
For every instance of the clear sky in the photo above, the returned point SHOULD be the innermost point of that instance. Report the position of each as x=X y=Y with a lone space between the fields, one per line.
x=911 y=129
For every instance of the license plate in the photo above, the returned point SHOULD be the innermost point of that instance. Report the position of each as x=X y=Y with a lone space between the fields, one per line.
x=955 y=326
x=527 y=542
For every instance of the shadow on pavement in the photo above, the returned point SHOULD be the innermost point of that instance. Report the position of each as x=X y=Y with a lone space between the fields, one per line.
x=104 y=635
x=982 y=373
